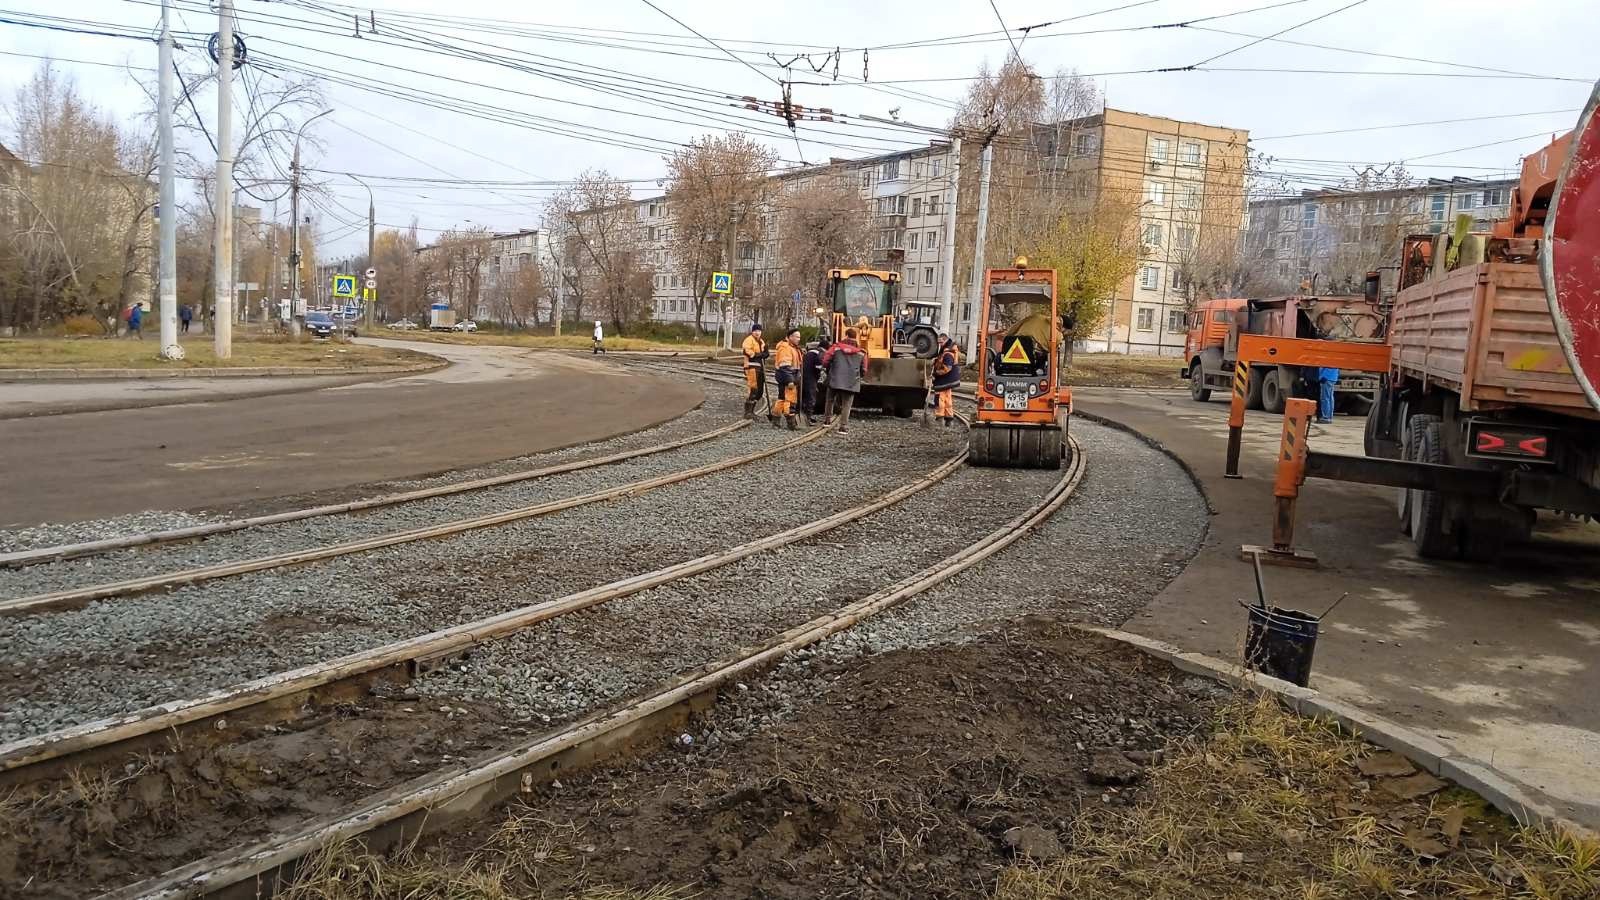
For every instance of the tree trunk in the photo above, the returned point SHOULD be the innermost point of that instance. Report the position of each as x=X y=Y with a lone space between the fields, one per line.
x=38 y=303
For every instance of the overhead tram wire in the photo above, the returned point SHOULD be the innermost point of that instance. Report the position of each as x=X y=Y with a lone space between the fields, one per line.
x=1276 y=34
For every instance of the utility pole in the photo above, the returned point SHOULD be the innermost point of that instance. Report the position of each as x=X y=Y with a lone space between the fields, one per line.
x=947 y=262
x=294 y=226
x=987 y=159
x=167 y=217
x=222 y=302
x=274 y=275
x=370 y=298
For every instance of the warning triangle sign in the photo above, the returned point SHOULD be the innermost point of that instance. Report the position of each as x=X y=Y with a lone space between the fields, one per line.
x=1015 y=355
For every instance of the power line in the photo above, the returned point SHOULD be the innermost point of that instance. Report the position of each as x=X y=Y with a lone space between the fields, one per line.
x=1524 y=115
x=702 y=37
x=1015 y=50
x=1276 y=34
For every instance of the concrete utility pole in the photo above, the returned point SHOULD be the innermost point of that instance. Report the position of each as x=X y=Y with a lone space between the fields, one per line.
x=983 y=234
x=294 y=227
x=947 y=261
x=222 y=302
x=167 y=273
x=372 y=257
x=274 y=276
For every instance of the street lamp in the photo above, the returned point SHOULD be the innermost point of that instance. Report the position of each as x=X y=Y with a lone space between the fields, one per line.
x=372 y=259
x=294 y=223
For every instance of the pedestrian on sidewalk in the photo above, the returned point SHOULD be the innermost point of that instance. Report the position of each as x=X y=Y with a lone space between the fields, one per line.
x=135 y=319
x=846 y=366
x=813 y=386
x=599 y=338
x=786 y=363
x=946 y=377
x=185 y=316
x=755 y=369
x=1327 y=377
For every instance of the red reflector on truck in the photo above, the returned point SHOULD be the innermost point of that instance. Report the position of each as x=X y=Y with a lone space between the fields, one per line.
x=1488 y=443
x=1534 y=446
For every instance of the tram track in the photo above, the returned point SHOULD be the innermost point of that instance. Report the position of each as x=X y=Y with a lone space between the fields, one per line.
x=429 y=802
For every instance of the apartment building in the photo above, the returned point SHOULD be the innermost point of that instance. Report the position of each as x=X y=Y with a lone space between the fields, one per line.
x=1335 y=237
x=503 y=263
x=1188 y=182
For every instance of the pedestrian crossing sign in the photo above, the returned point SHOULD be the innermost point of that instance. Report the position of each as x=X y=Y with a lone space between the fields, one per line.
x=1015 y=355
x=721 y=282
x=344 y=286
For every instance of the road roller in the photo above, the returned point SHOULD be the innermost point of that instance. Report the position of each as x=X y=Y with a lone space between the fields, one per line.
x=1022 y=409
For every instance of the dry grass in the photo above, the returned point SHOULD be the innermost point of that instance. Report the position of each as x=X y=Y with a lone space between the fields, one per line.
x=1116 y=370
x=543 y=341
x=507 y=867
x=115 y=353
x=1284 y=792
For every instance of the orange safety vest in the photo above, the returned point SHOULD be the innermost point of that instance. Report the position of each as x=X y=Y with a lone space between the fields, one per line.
x=753 y=348
x=786 y=354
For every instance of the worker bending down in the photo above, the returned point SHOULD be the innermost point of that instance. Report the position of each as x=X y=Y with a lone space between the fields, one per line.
x=755 y=372
x=946 y=376
x=812 y=384
x=786 y=364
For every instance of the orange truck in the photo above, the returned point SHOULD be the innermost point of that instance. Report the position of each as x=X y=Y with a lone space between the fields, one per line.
x=1212 y=345
x=1488 y=413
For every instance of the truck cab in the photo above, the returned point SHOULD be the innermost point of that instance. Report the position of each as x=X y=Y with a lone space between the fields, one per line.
x=1209 y=326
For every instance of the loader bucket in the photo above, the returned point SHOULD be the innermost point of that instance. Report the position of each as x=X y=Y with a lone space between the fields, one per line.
x=1015 y=446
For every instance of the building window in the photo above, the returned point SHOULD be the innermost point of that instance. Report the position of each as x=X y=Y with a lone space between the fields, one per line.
x=891 y=170
x=1150 y=278
x=866 y=179
x=1159 y=147
x=916 y=206
x=1145 y=319
x=1155 y=193
x=935 y=166
x=1176 y=281
x=915 y=237
x=1152 y=234
x=935 y=204
x=1494 y=197
x=1414 y=205
x=1189 y=196
x=1175 y=320
x=1284 y=241
x=900 y=204
x=1185 y=237
x=1467 y=201
x=1284 y=269
x=1189 y=153
x=1385 y=204
x=927 y=275
x=932 y=242
x=653 y=211
x=1085 y=144
x=1436 y=204
x=1308 y=216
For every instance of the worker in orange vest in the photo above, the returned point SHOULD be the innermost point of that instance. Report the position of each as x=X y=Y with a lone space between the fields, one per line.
x=755 y=372
x=946 y=376
x=786 y=363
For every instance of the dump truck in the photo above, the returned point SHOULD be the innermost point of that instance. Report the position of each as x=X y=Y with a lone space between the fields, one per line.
x=1212 y=344
x=897 y=377
x=1495 y=349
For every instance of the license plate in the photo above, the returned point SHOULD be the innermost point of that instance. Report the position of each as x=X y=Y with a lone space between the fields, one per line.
x=1357 y=384
x=1016 y=400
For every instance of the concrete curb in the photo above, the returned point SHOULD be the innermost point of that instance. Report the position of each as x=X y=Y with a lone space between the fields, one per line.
x=211 y=372
x=1426 y=752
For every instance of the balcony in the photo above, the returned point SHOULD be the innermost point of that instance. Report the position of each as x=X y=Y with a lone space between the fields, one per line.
x=891 y=220
x=891 y=258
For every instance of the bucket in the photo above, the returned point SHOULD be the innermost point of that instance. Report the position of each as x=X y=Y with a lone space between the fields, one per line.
x=1280 y=642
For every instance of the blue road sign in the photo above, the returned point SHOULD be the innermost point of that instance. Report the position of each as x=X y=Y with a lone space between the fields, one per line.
x=344 y=286
x=721 y=282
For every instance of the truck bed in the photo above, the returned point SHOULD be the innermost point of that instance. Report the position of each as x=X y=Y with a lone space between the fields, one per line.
x=1485 y=333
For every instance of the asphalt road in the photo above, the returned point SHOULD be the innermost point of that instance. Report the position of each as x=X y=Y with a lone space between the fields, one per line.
x=490 y=404
x=1498 y=662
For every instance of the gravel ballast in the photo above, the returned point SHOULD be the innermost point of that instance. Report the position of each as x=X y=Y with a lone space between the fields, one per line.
x=124 y=654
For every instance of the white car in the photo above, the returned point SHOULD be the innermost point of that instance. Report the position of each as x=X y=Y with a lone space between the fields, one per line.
x=403 y=325
x=466 y=325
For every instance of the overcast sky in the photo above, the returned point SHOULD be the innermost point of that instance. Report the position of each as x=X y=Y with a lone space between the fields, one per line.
x=662 y=85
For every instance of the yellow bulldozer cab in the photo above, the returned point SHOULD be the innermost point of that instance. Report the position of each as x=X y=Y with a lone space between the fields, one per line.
x=864 y=299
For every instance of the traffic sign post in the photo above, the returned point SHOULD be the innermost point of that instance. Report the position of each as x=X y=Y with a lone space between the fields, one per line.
x=721 y=282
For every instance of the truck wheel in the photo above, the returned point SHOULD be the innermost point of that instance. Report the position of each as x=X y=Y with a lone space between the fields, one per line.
x=1408 y=451
x=1482 y=541
x=1272 y=392
x=1428 y=515
x=1198 y=391
x=1252 y=392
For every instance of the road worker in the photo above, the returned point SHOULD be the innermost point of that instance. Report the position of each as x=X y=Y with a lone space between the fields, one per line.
x=813 y=387
x=755 y=372
x=786 y=363
x=946 y=377
x=846 y=366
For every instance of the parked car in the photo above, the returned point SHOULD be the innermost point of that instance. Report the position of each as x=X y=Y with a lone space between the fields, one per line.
x=466 y=325
x=320 y=323
x=403 y=325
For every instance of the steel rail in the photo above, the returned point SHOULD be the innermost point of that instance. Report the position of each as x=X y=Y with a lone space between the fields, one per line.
x=289 y=690
x=435 y=800
x=21 y=558
x=79 y=596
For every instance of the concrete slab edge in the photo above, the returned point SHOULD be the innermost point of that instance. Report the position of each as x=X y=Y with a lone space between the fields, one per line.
x=1429 y=753
x=211 y=372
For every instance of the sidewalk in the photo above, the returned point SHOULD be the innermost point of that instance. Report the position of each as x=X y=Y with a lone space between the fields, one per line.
x=1498 y=663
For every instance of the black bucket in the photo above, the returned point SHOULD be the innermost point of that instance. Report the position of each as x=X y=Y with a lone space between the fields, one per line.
x=1280 y=642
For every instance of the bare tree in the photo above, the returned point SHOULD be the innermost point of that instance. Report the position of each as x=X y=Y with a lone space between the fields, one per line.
x=598 y=225
x=716 y=192
x=1358 y=234
x=824 y=222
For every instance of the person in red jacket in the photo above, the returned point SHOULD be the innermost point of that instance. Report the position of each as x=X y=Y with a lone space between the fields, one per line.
x=845 y=365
